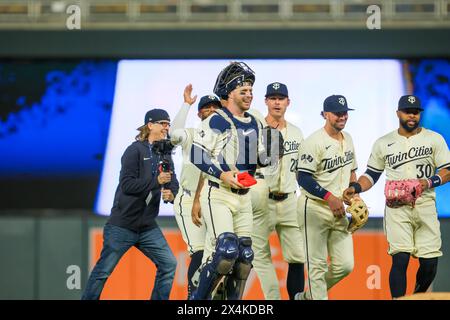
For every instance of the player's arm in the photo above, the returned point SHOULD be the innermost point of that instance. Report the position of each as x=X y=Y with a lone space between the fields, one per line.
x=444 y=174
x=353 y=177
x=203 y=161
x=439 y=179
x=307 y=182
x=442 y=161
x=177 y=133
x=364 y=183
x=207 y=142
x=203 y=144
x=375 y=168
x=196 y=212
x=307 y=166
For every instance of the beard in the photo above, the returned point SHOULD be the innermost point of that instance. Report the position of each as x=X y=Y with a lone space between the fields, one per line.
x=405 y=125
x=338 y=127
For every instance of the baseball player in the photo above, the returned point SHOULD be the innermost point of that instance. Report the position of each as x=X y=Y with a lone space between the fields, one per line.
x=228 y=144
x=410 y=152
x=194 y=236
x=275 y=203
x=326 y=166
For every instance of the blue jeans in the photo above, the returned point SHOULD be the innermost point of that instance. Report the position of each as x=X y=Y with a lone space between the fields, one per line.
x=117 y=241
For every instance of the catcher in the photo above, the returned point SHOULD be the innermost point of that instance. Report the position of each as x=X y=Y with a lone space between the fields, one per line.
x=411 y=156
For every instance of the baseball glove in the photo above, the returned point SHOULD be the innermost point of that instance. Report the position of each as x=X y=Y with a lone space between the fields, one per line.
x=246 y=179
x=402 y=192
x=359 y=213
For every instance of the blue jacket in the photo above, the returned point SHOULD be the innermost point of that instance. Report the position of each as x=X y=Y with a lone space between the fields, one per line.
x=138 y=177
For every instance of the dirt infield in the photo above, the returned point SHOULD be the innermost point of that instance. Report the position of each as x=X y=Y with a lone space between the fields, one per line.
x=428 y=296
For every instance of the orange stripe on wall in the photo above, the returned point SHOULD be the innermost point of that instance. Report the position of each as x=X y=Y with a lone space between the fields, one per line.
x=133 y=277
x=370 y=277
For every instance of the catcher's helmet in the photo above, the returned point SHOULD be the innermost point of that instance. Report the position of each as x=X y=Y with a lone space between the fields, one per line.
x=231 y=77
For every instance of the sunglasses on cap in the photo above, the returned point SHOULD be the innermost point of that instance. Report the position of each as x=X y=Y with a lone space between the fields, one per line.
x=163 y=123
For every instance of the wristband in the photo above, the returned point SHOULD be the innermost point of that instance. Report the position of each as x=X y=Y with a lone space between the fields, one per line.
x=327 y=195
x=434 y=181
x=356 y=186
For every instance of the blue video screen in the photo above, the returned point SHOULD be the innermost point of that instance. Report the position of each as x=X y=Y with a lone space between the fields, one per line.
x=54 y=117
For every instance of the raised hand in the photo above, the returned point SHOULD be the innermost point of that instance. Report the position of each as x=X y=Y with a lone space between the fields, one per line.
x=187 y=95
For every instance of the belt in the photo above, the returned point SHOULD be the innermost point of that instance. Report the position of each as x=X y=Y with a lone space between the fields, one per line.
x=278 y=196
x=237 y=191
x=259 y=175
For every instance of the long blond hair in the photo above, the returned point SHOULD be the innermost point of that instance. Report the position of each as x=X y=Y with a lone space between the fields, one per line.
x=143 y=134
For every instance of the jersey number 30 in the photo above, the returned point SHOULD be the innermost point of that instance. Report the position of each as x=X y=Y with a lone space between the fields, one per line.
x=425 y=170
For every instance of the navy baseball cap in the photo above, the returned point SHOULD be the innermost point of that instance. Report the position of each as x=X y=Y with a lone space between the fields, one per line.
x=277 y=89
x=155 y=115
x=207 y=100
x=335 y=103
x=409 y=102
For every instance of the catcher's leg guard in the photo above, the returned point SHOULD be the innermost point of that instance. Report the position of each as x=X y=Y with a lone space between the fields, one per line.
x=425 y=274
x=235 y=283
x=224 y=257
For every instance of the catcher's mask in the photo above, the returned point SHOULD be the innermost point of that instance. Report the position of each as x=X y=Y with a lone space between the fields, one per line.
x=232 y=76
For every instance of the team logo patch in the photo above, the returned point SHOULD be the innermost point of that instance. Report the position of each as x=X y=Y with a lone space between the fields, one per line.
x=276 y=86
x=212 y=97
x=341 y=101
x=411 y=99
x=306 y=158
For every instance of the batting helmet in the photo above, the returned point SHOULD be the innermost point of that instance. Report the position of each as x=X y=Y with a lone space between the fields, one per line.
x=231 y=77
